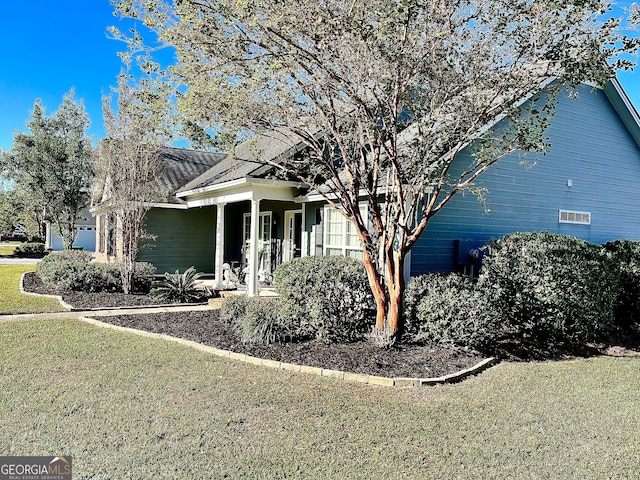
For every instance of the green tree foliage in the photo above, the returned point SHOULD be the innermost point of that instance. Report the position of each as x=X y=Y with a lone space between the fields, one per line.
x=21 y=207
x=383 y=94
x=52 y=165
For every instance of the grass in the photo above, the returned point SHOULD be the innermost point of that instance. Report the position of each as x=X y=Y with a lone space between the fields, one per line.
x=124 y=406
x=7 y=248
x=12 y=301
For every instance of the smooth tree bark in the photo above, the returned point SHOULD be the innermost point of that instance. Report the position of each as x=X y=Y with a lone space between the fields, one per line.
x=382 y=95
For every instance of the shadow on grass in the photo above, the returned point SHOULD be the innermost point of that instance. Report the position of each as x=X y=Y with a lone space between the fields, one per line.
x=623 y=342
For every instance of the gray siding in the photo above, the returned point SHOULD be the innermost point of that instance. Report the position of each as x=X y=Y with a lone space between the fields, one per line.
x=590 y=146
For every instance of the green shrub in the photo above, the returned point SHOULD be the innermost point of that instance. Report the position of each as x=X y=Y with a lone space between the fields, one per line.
x=27 y=249
x=261 y=322
x=550 y=287
x=143 y=279
x=448 y=309
x=327 y=298
x=73 y=270
x=627 y=255
x=57 y=266
x=179 y=287
x=234 y=308
x=66 y=256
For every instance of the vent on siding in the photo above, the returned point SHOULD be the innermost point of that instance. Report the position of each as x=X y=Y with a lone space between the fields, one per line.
x=569 y=216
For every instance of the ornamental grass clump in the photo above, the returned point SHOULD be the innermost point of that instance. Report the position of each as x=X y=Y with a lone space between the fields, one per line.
x=261 y=322
x=179 y=287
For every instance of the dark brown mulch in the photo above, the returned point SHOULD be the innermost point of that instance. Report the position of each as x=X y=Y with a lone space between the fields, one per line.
x=206 y=328
x=87 y=301
x=360 y=357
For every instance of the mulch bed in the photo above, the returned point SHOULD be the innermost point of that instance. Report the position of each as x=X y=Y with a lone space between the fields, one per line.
x=87 y=301
x=405 y=360
x=205 y=327
x=361 y=357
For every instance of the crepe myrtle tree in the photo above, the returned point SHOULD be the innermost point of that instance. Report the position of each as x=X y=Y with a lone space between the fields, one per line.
x=129 y=165
x=382 y=95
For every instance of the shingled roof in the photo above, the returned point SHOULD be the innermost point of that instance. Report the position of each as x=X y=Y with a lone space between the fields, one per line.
x=181 y=167
x=248 y=160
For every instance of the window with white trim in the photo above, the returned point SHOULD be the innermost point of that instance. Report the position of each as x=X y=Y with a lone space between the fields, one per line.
x=570 y=216
x=340 y=234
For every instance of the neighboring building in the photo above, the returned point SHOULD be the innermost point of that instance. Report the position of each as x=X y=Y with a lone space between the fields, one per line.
x=586 y=186
x=85 y=234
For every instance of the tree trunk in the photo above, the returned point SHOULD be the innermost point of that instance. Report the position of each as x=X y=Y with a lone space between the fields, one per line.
x=387 y=291
x=67 y=234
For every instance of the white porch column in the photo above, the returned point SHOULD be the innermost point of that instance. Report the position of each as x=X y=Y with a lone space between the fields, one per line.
x=252 y=283
x=304 y=247
x=219 y=259
x=49 y=236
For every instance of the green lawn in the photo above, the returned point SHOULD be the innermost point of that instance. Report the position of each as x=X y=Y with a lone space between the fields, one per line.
x=12 y=301
x=7 y=248
x=124 y=406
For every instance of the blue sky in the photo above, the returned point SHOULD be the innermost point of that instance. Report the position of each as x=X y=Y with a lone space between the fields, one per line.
x=50 y=46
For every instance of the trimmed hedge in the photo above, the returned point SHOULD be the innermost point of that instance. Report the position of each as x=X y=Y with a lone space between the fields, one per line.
x=327 y=298
x=626 y=254
x=28 y=249
x=448 y=309
x=323 y=298
x=73 y=270
x=551 y=287
x=536 y=288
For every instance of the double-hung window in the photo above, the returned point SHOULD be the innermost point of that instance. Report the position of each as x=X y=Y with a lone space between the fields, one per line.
x=340 y=234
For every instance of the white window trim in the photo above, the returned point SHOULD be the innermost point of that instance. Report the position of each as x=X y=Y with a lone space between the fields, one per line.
x=573 y=212
x=343 y=245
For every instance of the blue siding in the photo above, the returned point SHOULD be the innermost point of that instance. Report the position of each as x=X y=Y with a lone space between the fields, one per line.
x=590 y=146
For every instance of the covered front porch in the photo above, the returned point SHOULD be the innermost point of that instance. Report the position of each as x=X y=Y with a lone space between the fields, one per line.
x=258 y=226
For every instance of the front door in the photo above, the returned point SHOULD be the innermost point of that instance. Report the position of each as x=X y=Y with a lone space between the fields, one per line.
x=292 y=235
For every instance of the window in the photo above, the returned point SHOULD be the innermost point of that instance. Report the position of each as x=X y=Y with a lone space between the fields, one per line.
x=569 y=216
x=340 y=235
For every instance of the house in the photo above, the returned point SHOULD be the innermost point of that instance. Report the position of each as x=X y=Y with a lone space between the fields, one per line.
x=234 y=212
x=85 y=233
x=184 y=236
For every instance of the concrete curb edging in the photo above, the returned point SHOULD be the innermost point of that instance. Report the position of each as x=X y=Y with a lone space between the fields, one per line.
x=46 y=295
x=321 y=372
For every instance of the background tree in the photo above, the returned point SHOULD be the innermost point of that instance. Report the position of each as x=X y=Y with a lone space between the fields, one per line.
x=20 y=207
x=52 y=164
x=384 y=94
x=129 y=165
